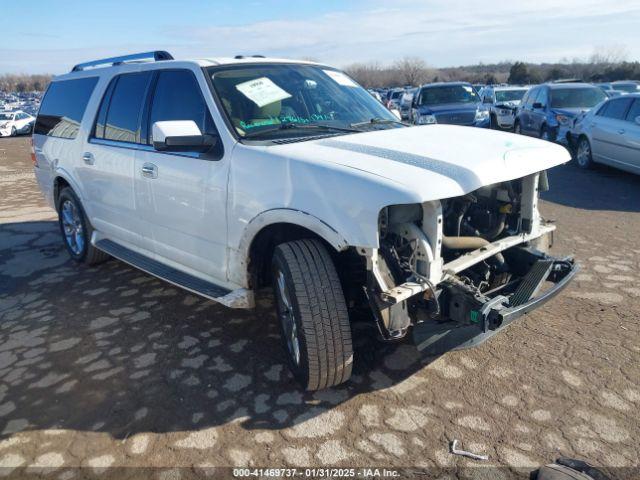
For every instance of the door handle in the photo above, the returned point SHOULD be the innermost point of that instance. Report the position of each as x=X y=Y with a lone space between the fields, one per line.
x=88 y=158
x=149 y=170
x=621 y=131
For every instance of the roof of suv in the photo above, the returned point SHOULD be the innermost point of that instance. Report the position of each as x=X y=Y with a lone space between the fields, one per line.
x=162 y=59
x=443 y=84
x=554 y=86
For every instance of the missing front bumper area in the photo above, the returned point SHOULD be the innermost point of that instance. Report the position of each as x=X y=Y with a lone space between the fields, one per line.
x=471 y=318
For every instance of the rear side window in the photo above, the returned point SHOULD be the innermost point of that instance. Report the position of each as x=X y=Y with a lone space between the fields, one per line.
x=634 y=111
x=178 y=97
x=63 y=107
x=119 y=117
x=615 y=109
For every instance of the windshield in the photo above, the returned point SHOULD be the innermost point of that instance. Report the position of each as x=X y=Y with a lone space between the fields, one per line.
x=448 y=94
x=576 y=97
x=627 y=87
x=6 y=116
x=510 y=95
x=258 y=98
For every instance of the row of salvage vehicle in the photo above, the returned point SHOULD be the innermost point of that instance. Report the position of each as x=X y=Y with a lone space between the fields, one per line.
x=596 y=126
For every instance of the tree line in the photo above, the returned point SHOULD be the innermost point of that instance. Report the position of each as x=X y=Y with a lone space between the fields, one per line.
x=24 y=83
x=415 y=71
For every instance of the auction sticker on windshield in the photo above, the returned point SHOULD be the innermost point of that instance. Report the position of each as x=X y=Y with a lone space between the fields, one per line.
x=262 y=91
x=340 y=78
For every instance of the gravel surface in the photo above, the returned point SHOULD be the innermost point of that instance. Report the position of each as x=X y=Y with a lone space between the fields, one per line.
x=108 y=367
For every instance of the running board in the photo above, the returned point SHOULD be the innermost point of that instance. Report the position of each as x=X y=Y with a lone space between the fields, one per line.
x=240 y=298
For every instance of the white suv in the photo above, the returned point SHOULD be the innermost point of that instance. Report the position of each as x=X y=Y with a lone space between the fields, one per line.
x=225 y=175
x=15 y=123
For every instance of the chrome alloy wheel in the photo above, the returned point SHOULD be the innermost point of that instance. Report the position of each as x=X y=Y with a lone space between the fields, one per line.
x=583 y=156
x=72 y=226
x=287 y=319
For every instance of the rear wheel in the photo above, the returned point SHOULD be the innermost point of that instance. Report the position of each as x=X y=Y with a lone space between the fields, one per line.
x=584 y=158
x=312 y=314
x=76 y=230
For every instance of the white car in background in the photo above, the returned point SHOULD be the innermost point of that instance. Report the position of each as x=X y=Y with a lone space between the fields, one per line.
x=15 y=123
x=502 y=102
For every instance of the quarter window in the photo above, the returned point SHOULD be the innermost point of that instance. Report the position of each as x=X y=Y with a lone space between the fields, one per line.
x=63 y=107
x=178 y=97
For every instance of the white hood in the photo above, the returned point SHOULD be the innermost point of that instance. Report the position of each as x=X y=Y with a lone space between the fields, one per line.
x=434 y=161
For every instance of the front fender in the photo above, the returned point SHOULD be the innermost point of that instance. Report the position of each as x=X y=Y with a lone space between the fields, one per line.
x=238 y=271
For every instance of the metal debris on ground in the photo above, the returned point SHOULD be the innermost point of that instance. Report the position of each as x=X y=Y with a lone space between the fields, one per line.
x=464 y=453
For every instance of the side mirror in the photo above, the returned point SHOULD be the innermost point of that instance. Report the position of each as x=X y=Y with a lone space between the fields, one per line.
x=538 y=105
x=180 y=136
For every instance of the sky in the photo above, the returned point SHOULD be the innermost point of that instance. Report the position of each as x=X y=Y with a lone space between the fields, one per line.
x=50 y=36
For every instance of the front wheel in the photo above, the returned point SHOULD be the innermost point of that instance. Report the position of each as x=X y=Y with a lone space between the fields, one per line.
x=312 y=313
x=14 y=132
x=517 y=129
x=584 y=158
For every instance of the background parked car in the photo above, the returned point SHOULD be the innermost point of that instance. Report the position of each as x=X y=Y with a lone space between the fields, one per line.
x=453 y=103
x=375 y=95
x=627 y=86
x=547 y=111
x=608 y=90
x=405 y=103
x=502 y=103
x=393 y=98
x=15 y=123
x=610 y=134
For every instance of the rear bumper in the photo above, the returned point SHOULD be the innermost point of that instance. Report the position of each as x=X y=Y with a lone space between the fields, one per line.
x=437 y=338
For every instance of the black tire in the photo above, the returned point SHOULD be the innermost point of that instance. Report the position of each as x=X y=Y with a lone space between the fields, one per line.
x=305 y=272
x=87 y=253
x=493 y=122
x=516 y=128
x=546 y=134
x=14 y=132
x=583 y=155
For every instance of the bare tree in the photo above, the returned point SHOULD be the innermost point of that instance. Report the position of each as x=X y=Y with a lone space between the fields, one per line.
x=413 y=70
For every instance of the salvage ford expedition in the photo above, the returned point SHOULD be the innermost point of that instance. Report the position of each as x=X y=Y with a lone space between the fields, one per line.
x=225 y=175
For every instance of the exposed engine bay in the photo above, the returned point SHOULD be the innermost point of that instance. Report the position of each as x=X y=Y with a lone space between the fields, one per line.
x=476 y=260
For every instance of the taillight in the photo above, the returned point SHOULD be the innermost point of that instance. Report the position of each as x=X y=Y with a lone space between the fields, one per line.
x=33 y=154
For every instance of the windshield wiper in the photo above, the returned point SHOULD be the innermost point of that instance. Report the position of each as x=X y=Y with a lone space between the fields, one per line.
x=378 y=121
x=300 y=126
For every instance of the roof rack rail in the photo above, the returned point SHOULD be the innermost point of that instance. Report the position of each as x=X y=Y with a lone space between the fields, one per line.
x=238 y=57
x=155 y=56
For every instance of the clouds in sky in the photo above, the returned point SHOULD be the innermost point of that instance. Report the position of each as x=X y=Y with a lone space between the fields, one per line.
x=443 y=33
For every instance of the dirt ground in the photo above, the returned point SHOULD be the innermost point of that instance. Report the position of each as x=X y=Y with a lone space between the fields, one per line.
x=108 y=367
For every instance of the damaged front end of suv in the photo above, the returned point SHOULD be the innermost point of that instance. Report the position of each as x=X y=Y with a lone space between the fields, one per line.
x=455 y=271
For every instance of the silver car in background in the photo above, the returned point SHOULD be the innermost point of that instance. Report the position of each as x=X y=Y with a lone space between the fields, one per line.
x=609 y=134
x=405 y=103
x=502 y=102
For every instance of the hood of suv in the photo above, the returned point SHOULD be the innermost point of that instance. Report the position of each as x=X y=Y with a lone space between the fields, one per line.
x=434 y=161
x=569 y=112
